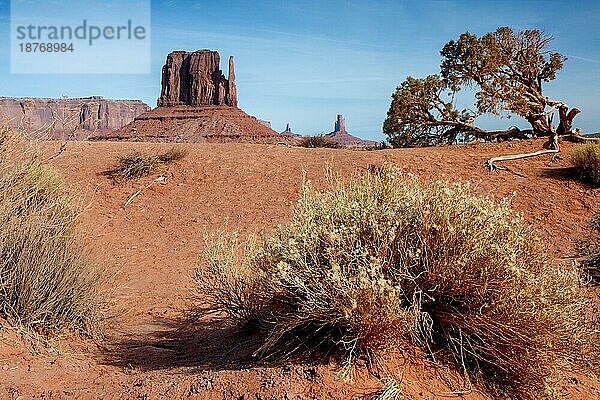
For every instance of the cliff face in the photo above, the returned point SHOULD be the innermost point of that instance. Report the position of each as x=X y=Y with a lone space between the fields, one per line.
x=67 y=118
x=195 y=79
x=340 y=124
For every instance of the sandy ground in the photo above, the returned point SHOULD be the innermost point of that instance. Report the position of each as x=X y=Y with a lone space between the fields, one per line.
x=155 y=242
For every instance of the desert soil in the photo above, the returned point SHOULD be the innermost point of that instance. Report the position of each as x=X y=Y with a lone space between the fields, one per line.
x=154 y=243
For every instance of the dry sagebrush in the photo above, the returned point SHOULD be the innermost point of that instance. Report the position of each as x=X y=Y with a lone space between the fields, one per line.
x=385 y=262
x=46 y=283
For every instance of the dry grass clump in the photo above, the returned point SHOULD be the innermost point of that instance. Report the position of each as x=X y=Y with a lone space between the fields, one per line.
x=137 y=164
x=589 y=248
x=384 y=263
x=46 y=283
x=318 y=141
x=586 y=159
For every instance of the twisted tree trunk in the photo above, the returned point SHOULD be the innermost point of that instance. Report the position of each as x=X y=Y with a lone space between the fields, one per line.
x=566 y=119
x=540 y=124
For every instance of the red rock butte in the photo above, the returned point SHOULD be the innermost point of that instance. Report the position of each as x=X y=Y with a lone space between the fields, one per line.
x=197 y=104
x=195 y=79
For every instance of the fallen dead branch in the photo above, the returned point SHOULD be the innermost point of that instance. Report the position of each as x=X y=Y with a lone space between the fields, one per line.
x=491 y=163
x=576 y=136
x=552 y=147
x=137 y=164
x=161 y=179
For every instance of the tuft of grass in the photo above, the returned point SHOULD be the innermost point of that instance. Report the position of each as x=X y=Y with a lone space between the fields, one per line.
x=318 y=141
x=385 y=263
x=391 y=391
x=586 y=159
x=46 y=281
x=137 y=164
x=589 y=248
x=595 y=221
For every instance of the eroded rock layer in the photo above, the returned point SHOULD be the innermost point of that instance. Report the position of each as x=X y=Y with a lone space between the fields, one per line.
x=67 y=118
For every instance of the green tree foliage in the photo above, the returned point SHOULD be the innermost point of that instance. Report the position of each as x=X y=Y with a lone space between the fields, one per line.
x=420 y=116
x=506 y=68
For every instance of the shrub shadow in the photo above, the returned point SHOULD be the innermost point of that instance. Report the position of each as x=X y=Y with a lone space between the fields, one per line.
x=561 y=173
x=205 y=346
x=566 y=174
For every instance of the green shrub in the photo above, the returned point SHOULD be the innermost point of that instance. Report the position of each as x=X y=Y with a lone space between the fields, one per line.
x=586 y=159
x=137 y=164
x=318 y=141
x=379 y=146
x=384 y=263
x=46 y=282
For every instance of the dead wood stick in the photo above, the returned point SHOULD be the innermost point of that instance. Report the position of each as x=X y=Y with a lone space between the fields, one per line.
x=160 y=179
x=576 y=136
x=491 y=163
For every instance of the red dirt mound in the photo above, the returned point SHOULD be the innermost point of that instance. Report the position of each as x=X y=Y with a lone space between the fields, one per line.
x=197 y=124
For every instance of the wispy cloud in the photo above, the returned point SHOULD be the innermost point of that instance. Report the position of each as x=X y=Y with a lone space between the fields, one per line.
x=270 y=38
x=583 y=59
x=312 y=38
x=314 y=81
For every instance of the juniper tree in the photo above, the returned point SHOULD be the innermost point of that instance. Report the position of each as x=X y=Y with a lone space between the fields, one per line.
x=507 y=69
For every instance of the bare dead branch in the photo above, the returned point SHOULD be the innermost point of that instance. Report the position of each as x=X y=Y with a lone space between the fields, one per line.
x=491 y=163
x=576 y=136
x=161 y=179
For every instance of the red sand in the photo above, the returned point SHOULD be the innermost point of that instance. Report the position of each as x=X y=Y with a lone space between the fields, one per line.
x=155 y=242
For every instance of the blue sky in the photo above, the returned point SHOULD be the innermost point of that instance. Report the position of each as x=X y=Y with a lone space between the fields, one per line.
x=304 y=62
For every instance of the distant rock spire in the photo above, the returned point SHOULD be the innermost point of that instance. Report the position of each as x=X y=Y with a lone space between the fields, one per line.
x=340 y=124
x=232 y=90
